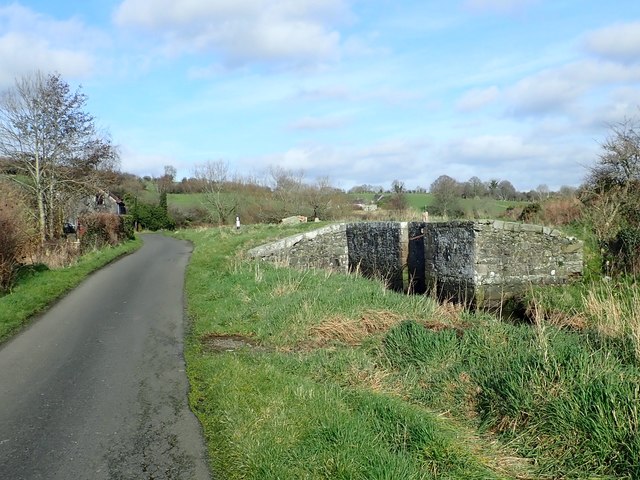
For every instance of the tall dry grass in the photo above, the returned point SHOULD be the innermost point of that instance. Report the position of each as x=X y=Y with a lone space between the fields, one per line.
x=614 y=311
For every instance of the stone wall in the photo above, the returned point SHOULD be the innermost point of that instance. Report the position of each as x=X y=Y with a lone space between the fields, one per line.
x=449 y=250
x=486 y=262
x=376 y=251
x=325 y=248
x=475 y=262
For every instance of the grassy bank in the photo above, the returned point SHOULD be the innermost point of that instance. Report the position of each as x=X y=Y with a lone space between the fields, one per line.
x=289 y=378
x=312 y=375
x=38 y=287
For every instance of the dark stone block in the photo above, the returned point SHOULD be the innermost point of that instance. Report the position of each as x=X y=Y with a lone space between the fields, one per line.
x=375 y=251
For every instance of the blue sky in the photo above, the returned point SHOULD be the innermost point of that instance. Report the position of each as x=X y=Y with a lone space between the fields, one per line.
x=360 y=91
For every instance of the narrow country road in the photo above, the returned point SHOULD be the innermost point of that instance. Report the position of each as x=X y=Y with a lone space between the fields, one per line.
x=96 y=388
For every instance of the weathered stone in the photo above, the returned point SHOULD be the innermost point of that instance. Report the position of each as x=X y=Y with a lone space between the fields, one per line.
x=481 y=262
x=293 y=220
x=324 y=248
x=375 y=250
x=503 y=258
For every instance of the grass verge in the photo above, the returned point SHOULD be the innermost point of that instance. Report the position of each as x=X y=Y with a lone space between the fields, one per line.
x=289 y=377
x=38 y=287
x=312 y=375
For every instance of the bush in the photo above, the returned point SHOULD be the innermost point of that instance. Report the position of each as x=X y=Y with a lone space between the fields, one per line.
x=14 y=237
x=99 y=229
x=185 y=218
x=530 y=212
x=152 y=217
x=624 y=251
x=10 y=242
x=128 y=224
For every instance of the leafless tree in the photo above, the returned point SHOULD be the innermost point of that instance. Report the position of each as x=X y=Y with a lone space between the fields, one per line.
x=612 y=195
x=446 y=191
x=54 y=147
x=543 y=191
x=288 y=188
x=218 y=199
x=398 y=199
x=619 y=163
x=165 y=182
x=474 y=187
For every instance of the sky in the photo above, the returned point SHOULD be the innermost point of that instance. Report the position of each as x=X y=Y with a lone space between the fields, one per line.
x=356 y=91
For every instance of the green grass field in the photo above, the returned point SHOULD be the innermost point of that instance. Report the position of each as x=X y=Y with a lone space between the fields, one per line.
x=482 y=207
x=316 y=375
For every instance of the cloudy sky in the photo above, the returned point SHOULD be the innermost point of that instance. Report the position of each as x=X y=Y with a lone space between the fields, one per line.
x=361 y=91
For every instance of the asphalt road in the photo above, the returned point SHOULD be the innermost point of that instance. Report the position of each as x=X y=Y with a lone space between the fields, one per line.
x=96 y=388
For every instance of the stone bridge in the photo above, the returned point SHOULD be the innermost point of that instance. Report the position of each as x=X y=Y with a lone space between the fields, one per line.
x=480 y=262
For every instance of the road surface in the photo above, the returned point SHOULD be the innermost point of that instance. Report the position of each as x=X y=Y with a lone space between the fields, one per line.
x=96 y=388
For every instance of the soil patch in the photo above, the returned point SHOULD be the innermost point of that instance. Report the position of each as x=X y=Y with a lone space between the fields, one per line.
x=217 y=343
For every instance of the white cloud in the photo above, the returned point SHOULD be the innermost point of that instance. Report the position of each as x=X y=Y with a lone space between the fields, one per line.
x=291 y=32
x=620 y=104
x=496 y=148
x=524 y=161
x=142 y=163
x=328 y=92
x=32 y=41
x=557 y=90
x=477 y=98
x=42 y=56
x=375 y=163
x=616 y=42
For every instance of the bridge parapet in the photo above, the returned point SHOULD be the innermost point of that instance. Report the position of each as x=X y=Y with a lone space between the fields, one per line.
x=481 y=262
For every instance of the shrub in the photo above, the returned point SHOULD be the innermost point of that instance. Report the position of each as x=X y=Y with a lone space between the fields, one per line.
x=14 y=238
x=9 y=248
x=128 y=224
x=561 y=211
x=529 y=212
x=99 y=229
x=624 y=252
x=152 y=217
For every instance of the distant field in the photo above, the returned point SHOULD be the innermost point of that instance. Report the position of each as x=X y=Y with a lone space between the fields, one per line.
x=478 y=207
x=185 y=200
x=484 y=207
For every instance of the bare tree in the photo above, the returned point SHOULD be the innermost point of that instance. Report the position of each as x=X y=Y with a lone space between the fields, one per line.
x=612 y=195
x=398 y=199
x=165 y=182
x=542 y=191
x=507 y=191
x=474 y=187
x=619 y=162
x=219 y=201
x=53 y=146
x=446 y=191
x=288 y=189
